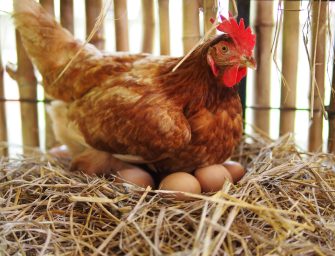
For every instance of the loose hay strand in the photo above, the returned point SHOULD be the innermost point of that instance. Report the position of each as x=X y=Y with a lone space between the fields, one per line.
x=284 y=205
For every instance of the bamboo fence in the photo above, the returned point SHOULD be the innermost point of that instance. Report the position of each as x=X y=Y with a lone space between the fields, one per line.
x=191 y=27
x=93 y=9
x=25 y=77
x=318 y=68
x=148 y=23
x=121 y=25
x=289 y=66
x=331 y=116
x=164 y=27
x=50 y=140
x=264 y=26
x=66 y=15
x=3 y=126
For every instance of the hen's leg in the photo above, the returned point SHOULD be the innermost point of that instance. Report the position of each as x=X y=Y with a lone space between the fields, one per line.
x=92 y=162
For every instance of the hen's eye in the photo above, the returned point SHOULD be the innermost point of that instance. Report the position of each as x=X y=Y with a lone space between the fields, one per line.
x=224 y=49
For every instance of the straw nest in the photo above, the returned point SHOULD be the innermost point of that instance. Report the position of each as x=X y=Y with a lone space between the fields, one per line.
x=283 y=206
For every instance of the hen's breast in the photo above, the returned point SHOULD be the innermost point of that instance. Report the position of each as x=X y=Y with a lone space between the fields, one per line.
x=215 y=134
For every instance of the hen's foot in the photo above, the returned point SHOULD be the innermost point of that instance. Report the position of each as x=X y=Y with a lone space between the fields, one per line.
x=92 y=162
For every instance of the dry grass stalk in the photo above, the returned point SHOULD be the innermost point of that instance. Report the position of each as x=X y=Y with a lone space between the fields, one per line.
x=66 y=15
x=264 y=25
x=164 y=27
x=3 y=126
x=121 y=25
x=148 y=24
x=93 y=11
x=283 y=206
x=50 y=140
x=319 y=32
x=191 y=29
x=289 y=65
x=25 y=77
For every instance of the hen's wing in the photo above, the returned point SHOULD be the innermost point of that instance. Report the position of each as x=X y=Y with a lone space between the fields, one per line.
x=125 y=120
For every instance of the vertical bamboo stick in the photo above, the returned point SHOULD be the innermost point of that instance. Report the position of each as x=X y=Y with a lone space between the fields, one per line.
x=264 y=24
x=48 y=5
x=3 y=126
x=243 y=12
x=331 y=116
x=210 y=11
x=319 y=32
x=66 y=15
x=121 y=25
x=191 y=30
x=164 y=27
x=50 y=140
x=289 y=64
x=148 y=25
x=93 y=8
x=27 y=88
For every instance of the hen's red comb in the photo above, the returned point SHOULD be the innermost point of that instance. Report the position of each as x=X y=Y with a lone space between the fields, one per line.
x=241 y=35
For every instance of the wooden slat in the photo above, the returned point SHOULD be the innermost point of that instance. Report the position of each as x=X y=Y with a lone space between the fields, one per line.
x=66 y=14
x=148 y=23
x=331 y=121
x=191 y=29
x=264 y=24
x=289 y=64
x=50 y=140
x=121 y=25
x=164 y=26
x=319 y=33
x=27 y=88
x=210 y=11
x=93 y=9
x=3 y=126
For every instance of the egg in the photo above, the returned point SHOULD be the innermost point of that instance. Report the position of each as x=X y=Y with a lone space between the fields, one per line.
x=235 y=169
x=212 y=178
x=136 y=176
x=180 y=181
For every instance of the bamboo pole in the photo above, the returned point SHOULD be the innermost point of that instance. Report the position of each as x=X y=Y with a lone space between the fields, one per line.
x=289 y=65
x=319 y=33
x=191 y=30
x=3 y=126
x=210 y=10
x=50 y=140
x=264 y=24
x=25 y=77
x=48 y=5
x=331 y=116
x=148 y=22
x=121 y=25
x=66 y=15
x=93 y=9
x=164 y=27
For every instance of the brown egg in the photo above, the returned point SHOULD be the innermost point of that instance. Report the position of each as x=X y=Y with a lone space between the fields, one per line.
x=235 y=169
x=180 y=181
x=135 y=176
x=212 y=178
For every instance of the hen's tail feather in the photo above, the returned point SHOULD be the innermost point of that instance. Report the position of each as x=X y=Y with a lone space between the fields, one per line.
x=47 y=43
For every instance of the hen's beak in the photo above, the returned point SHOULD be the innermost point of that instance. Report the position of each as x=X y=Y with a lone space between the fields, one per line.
x=249 y=62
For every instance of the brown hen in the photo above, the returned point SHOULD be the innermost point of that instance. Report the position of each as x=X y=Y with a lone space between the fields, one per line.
x=132 y=105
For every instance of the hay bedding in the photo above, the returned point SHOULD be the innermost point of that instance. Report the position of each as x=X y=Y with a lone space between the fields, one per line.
x=283 y=206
